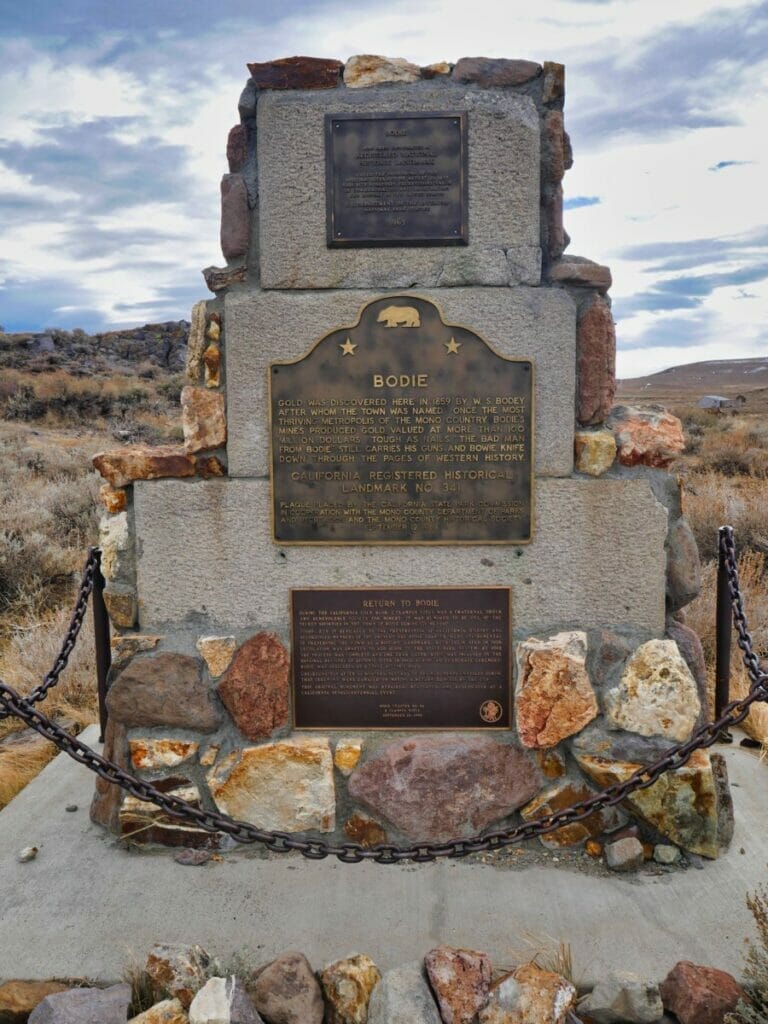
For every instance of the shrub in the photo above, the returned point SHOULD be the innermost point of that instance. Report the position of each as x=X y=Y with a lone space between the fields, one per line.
x=756 y=967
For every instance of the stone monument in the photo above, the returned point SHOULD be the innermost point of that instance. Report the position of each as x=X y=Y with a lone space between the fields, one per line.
x=411 y=574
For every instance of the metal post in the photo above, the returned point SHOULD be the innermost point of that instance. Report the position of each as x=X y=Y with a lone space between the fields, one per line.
x=103 y=648
x=724 y=630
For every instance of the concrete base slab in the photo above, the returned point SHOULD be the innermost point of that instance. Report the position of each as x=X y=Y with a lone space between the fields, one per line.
x=86 y=906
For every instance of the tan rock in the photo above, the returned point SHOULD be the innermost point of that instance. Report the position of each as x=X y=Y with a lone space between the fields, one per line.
x=19 y=998
x=347 y=985
x=116 y=547
x=114 y=499
x=595 y=451
x=122 y=605
x=359 y=828
x=122 y=466
x=437 y=70
x=151 y=754
x=347 y=754
x=212 y=360
x=169 y=1011
x=213 y=332
x=563 y=795
x=217 y=652
x=581 y=274
x=646 y=437
x=551 y=763
x=128 y=646
x=208 y=757
x=218 y=279
x=196 y=343
x=210 y=466
x=529 y=994
x=286 y=785
x=682 y=804
x=203 y=419
x=657 y=695
x=177 y=972
x=554 y=696
x=366 y=69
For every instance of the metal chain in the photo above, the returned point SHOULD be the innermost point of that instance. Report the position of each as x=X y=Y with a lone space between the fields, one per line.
x=387 y=853
x=90 y=568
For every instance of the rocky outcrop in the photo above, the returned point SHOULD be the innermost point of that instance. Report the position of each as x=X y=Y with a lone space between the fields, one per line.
x=439 y=787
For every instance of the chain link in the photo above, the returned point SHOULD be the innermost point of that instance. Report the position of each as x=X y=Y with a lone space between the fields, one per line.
x=11 y=703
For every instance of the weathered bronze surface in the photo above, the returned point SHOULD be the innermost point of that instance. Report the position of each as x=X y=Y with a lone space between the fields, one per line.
x=415 y=658
x=402 y=429
x=396 y=179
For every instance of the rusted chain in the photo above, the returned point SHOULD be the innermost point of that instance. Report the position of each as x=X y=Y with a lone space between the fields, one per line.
x=387 y=853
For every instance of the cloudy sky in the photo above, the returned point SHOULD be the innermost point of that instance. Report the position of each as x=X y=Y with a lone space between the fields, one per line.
x=114 y=116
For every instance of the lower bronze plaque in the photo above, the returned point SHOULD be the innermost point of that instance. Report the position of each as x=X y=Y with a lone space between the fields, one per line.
x=421 y=658
x=402 y=429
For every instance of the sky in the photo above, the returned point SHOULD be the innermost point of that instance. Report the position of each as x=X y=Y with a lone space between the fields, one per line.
x=114 y=118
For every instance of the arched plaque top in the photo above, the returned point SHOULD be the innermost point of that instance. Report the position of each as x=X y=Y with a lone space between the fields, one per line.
x=402 y=428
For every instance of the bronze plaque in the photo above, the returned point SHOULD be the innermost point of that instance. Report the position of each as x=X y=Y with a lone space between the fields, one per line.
x=396 y=179
x=402 y=429
x=415 y=658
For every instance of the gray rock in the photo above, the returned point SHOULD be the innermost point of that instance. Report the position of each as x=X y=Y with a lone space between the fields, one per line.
x=621 y=583
x=683 y=565
x=246 y=106
x=163 y=689
x=403 y=997
x=663 y=853
x=689 y=645
x=286 y=991
x=495 y=71
x=235 y=217
x=483 y=266
x=724 y=797
x=84 y=1006
x=223 y=1001
x=503 y=180
x=624 y=855
x=623 y=998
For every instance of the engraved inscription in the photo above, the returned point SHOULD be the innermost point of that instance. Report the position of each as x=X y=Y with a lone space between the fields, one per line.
x=396 y=179
x=401 y=435
x=402 y=658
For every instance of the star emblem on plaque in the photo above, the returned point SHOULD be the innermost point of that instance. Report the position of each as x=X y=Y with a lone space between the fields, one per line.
x=423 y=436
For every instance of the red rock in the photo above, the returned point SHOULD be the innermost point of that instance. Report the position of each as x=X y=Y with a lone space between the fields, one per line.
x=203 y=418
x=700 y=995
x=596 y=363
x=235 y=217
x=646 y=437
x=122 y=466
x=287 y=991
x=163 y=689
x=210 y=466
x=554 y=149
x=460 y=980
x=105 y=805
x=552 y=211
x=489 y=71
x=237 y=142
x=254 y=688
x=296 y=73
x=439 y=787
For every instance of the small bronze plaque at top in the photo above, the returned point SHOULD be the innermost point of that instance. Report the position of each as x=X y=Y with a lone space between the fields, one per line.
x=396 y=179
x=402 y=658
x=402 y=429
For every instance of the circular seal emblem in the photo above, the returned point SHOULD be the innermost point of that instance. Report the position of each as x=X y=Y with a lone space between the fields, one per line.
x=491 y=711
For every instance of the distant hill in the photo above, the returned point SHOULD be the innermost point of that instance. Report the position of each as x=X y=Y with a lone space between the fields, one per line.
x=728 y=377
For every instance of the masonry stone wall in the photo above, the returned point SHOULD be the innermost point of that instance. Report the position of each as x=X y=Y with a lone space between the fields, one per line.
x=606 y=672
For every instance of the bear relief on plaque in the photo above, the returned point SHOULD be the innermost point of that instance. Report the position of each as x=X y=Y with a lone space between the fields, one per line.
x=400 y=429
